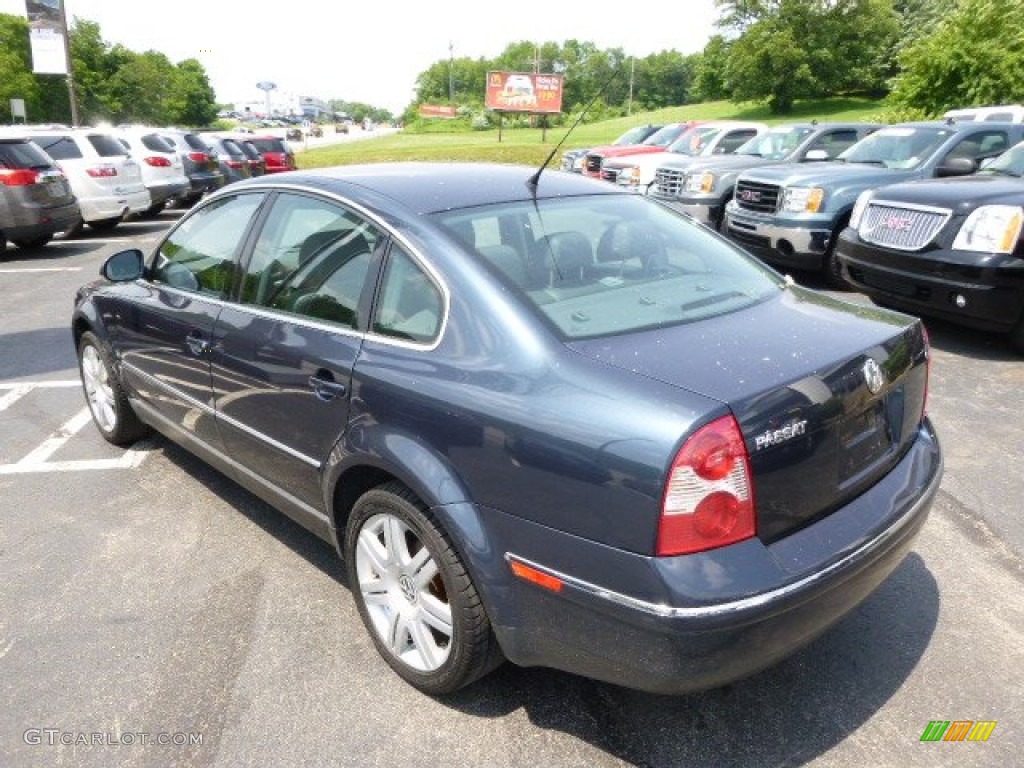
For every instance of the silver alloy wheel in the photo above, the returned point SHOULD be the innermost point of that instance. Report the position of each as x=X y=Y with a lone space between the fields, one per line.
x=98 y=391
x=404 y=593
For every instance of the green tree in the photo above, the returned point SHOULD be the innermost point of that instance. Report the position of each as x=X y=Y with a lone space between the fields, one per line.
x=791 y=49
x=193 y=101
x=972 y=57
x=663 y=79
x=710 y=83
x=142 y=87
x=93 y=71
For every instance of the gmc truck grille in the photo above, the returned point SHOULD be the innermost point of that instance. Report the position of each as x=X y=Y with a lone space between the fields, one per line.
x=901 y=228
x=669 y=182
x=756 y=196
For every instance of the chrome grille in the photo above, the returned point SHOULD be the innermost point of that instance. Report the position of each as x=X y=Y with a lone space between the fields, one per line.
x=894 y=225
x=669 y=182
x=611 y=174
x=757 y=196
x=593 y=164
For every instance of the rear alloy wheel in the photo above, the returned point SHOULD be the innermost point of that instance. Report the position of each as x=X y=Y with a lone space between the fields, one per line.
x=102 y=225
x=33 y=242
x=414 y=594
x=111 y=412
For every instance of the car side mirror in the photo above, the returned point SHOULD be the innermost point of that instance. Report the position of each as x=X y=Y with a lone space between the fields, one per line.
x=956 y=166
x=123 y=266
x=816 y=155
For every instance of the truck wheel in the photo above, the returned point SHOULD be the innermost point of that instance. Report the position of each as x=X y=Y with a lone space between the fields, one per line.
x=832 y=269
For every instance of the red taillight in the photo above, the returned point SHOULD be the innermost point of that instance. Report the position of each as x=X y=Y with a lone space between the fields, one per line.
x=233 y=164
x=18 y=178
x=709 y=496
x=157 y=162
x=102 y=171
x=198 y=157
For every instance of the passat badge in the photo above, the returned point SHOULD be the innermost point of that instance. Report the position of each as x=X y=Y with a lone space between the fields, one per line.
x=873 y=376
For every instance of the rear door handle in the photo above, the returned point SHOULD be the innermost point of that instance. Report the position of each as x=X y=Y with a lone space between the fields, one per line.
x=325 y=387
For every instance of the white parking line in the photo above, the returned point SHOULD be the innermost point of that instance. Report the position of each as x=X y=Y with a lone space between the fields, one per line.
x=38 y=459
x=40 y=269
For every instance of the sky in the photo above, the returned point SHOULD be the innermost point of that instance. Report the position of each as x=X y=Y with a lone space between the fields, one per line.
x=370 y=51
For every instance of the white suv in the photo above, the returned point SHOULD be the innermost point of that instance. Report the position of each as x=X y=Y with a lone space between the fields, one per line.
x=163 y=173
x=103 y=175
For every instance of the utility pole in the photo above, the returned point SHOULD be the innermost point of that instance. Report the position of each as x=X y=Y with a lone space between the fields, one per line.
x=71 y=70
x=629 y=104
x=451 y=72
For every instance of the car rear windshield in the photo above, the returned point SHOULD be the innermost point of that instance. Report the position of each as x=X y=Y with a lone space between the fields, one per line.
x=106 y=145
x=232 y=148
x=195 y=142
x=22 y=154
x=268 y=145
x=58 y=147
x=156 y=143
x=604 y=265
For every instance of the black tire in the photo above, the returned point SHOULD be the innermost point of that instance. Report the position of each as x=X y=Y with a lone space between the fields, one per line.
x=75 y=230
x=104 y=225
x=471 y=650
x=3 y=244
x=111 y=412
x=33 y=242
x=155 y=209
x=1016 y=336
x=832 y=269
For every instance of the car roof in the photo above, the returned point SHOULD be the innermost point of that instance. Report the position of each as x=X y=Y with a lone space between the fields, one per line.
x=430 y=187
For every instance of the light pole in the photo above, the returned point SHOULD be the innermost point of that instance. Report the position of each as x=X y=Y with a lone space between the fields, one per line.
x=451 y=73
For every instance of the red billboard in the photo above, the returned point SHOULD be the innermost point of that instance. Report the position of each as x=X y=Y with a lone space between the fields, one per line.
x=524 y=92
x=437 y=110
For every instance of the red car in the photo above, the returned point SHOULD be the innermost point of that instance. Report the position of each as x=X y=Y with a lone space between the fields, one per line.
x=656 y=142
x=275 y=151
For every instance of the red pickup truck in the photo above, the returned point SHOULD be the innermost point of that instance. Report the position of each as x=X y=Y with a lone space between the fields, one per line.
x=656 y=142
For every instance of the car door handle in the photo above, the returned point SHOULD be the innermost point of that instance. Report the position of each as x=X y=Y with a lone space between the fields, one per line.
x=197 y=345
x=325 y=387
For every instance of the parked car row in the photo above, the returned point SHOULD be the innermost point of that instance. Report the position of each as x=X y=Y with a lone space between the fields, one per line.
x=55 y=179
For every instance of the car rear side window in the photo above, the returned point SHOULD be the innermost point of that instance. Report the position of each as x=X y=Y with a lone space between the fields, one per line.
x=201 y=254
x=106 y=146
x=195 y=142
x=411 y=306
x=58 y=147
x=311 y=259
x=268 y=145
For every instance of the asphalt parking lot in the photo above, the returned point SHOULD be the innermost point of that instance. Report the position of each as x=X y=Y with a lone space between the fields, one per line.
x=153 y=613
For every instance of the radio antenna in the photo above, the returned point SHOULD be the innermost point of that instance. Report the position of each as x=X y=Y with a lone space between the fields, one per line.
x=535 y=178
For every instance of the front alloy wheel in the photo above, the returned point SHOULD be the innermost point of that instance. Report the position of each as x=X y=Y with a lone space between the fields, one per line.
x=108 y=403
x=414 y=593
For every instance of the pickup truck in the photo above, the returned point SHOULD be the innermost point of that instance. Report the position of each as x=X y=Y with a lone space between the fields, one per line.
x=572 y=159
x=792 y=215
x=635 y=172
x=948 y=248
x=656 y=142
x=702 y=188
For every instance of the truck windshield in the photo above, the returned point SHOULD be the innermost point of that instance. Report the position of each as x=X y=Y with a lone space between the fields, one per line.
x=778 y=144
x=897 y=147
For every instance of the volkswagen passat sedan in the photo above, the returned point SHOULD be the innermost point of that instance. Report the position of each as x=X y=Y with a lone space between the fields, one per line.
x=543 y=420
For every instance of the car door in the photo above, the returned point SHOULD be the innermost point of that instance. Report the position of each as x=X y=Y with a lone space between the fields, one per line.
x=286 y=349
x=166 y=332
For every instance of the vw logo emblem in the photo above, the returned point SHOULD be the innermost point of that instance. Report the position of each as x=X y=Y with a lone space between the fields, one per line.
x=873 y=376
x=408 y=587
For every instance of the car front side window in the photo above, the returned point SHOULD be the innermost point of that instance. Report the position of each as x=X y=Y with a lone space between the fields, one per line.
x=201 y=254
x=311 y=258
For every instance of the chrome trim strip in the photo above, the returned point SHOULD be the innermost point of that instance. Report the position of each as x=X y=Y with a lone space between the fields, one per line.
x=735 y=607
x=227 y=419
x=910 y=206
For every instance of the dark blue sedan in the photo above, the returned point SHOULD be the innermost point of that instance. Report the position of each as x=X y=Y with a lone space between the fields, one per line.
x=541 y=420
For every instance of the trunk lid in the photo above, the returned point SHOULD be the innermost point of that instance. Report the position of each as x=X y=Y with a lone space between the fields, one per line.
x=828 y=395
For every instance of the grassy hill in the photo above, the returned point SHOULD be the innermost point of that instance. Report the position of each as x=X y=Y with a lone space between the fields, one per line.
x=524 y=145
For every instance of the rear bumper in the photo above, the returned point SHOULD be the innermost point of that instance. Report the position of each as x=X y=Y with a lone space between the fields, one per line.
x=30 y=223
x=672 y=625
x=990 y=286
x=161 y=192
x=113 y=206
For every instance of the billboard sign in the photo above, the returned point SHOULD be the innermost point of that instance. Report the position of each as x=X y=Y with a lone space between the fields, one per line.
x=437 y=110
x=46 y=36
x=524 y=92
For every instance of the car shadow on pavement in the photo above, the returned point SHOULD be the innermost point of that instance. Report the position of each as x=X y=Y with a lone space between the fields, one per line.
x=311 y=547
x=43 y=256
x=786 y=715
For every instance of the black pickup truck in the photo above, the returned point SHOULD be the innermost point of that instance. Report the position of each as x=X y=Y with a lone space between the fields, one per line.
x=949 y=248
